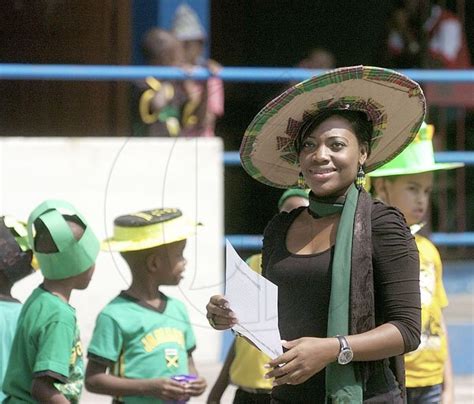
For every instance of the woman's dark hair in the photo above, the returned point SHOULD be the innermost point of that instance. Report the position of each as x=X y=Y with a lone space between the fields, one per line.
x=358 y=120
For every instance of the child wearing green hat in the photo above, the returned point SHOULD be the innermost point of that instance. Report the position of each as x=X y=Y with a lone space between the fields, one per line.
x=244 y=365
x=46 y=358
x=141 y=348
x=406 y=183
x=16 y=262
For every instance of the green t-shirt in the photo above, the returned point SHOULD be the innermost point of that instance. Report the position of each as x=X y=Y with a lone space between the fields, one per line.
x=138 y=341
x=9 y=312
x=46 y=343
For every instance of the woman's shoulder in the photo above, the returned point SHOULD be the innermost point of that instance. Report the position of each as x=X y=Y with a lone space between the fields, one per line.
x=281 y=220
x=385 y=214
x=388 y=220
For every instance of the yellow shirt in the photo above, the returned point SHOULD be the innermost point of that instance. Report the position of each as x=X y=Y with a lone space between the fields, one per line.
x=247 y=369
x=425 y=366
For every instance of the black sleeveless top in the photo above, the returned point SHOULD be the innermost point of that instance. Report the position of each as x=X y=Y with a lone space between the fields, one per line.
x=304 y=284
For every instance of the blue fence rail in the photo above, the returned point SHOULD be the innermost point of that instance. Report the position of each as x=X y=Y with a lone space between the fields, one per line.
x=232 y=158
x=15 y=71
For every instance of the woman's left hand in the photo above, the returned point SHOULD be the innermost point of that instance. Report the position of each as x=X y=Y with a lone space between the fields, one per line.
x=305 y=357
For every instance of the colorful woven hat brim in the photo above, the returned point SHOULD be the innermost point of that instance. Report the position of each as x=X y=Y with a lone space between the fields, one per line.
x=153 y=235
x=394 y=103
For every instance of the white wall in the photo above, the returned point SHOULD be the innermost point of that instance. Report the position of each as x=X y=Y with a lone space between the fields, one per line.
x=107 y=177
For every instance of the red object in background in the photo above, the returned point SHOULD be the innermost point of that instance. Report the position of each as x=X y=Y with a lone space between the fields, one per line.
x=450 y=95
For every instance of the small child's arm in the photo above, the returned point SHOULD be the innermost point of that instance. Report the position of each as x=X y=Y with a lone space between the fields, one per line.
x=100 y=382
x=448 y=382
x=43 y=391
x=196 y=387
x=223 y=379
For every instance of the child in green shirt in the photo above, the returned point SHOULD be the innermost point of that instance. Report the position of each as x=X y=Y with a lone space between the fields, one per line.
x=46 y=358
x=16 y=262
x=143 y=340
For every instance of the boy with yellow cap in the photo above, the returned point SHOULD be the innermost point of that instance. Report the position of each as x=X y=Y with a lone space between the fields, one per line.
x=406 y=183
x=16 y=262
x=141 y=348
x=46 y=358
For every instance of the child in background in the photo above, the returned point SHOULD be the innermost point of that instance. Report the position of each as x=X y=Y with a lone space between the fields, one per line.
x=160 y=103
x=406 y=183
x=206 y=98
x=16 y=262
x=46 y=357
x=141 y=348
x=244 y=364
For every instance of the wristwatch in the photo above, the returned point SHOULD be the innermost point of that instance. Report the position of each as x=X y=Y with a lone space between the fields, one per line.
x=345 y=352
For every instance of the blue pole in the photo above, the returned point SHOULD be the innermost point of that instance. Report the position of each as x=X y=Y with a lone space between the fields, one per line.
x=14 y=71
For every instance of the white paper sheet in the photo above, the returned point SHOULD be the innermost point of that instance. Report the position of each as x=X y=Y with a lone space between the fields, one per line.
x=254 y=300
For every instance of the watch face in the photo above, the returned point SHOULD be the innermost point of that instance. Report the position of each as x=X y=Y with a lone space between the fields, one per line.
x=345 y=356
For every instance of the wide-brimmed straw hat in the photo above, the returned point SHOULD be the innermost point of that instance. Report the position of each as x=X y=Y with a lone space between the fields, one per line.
x=148 y=229
x=393 y=103
x=418 y=157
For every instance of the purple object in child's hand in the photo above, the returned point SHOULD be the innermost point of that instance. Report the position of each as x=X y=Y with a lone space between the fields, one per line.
x=181 y=379
x=184 y=378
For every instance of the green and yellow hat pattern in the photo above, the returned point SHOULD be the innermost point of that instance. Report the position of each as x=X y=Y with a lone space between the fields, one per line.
x=148 y=229
x=417 y=158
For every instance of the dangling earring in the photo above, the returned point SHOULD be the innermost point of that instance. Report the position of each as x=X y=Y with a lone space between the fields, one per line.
x=301 y=181
x=360 y=179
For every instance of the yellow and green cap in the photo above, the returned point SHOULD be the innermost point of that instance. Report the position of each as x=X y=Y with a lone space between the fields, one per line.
x=72 y=257
x=418 y=157
x=148 y=229
x=16 y=257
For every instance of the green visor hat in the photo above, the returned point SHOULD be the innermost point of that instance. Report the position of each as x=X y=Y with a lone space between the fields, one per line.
x=72 y=257
x=16 y=257
x=418 y=157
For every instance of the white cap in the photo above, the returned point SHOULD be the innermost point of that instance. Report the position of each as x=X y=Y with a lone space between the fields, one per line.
x=186 y=24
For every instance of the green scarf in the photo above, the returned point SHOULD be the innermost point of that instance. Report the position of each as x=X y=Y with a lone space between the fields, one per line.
x=342 y=385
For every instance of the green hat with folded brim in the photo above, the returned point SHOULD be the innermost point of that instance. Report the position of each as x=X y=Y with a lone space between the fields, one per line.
x=392 y=102
x=72 y=257
x=417 y=158
x=148 y=229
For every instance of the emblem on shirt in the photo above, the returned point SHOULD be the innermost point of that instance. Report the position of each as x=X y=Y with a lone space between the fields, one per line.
x=171 y=356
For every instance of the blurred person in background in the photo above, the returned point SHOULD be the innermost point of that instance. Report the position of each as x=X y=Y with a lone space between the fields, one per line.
x=206 y=98
x=427 y=35
x=158 y=103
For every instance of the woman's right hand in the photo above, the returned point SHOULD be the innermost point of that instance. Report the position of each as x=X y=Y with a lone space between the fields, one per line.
x=219 y=314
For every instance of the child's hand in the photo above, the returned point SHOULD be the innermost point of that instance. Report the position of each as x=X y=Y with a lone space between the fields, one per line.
x=196 y=387
x=168 y=389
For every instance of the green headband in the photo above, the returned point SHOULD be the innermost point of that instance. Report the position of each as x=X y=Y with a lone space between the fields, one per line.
x=74 y=256
x=300 y=193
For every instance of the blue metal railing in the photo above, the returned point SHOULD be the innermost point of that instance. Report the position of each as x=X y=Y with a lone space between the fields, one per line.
x=233 y=159
x=15 y=71
x=254 y=242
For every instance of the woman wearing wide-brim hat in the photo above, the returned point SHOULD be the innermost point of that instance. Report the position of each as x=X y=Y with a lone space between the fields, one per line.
x=346 y=267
